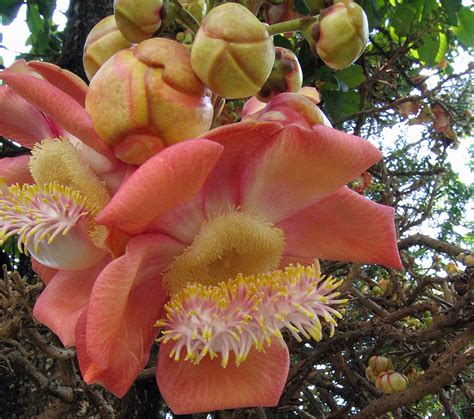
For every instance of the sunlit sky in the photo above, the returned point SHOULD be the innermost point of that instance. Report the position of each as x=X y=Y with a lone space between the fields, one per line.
x=15 y=35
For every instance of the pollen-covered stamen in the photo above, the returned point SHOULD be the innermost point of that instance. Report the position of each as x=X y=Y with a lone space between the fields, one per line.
x=248 y=312
x=54 y=223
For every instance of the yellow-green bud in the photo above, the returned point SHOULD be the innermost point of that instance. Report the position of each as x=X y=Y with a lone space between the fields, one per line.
x=138 y=19
x=233 y=53
x=197 y=8
x=391 y=382
x=286 y=75
x=147 y=97
x=341 y=34
x=103 y=41
x=379 y=364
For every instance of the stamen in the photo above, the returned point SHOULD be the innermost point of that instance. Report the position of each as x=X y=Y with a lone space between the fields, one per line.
x=248 y=311
x=42 y=215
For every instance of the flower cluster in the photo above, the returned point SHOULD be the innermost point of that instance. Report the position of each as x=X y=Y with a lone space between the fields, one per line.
x=145 y=224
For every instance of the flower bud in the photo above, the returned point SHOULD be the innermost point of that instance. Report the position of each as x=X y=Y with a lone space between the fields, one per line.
x=341 y=34
x=286 y=75
x=369 y=374
x=103 y=41
x=197 y=8
x=390 y=382
x=451 y=269
x=291 y=109
x=138 y=19
x=413 y=375
x=233 y=53
x=147 y=97
x=380 y=364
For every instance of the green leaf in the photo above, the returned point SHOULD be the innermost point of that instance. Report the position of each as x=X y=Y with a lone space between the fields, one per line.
x=282 y=41
x=340 y=104
x=373 y=11
x=451 y=8
x=46 y=8
x=402 y=20
x=9 y=10
x=433 y=48
x=464 y=31
x=352 y=76
x=428 y=6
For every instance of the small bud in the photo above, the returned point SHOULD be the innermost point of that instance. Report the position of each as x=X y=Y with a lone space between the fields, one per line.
x=379 y=364
x=391 y=382
x=147 y=97
x=341 y=34
x=233 y=53
x=451 y=268
x=468 y=260
x=370 y=375
x=286 y=75
x=292 y=108
x=413 y=375
x=197 y=8
x=103 y=41
x=138 y=19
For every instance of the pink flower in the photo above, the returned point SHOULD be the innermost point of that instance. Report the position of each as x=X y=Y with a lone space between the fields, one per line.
x=69 y=176
x=276 y=196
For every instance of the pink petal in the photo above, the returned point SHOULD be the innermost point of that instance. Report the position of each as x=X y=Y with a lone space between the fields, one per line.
x=126 y=301
x=65 y=298
x=252 y=106
x=240 y=141
x=113 y=378
x=343 y=226
x=68 y=82
x=45 y=273
x=182 y=222
x=300 y=166
x=15 y=170
x=20 y=121
x=165 y=180
x=189 y=388
x=60 y=106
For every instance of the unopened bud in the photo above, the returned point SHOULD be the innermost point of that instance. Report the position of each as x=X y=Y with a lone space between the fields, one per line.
x=391 y=382
x=341 y=34
x=371 y=376
x=197 y=8
x=379 y=364
x=147 y=97
x=286 y=75
x=233 y=53
x=413 y=375
x=292 y=108
x=138 y=19
x=451 y=268
x=103 y=41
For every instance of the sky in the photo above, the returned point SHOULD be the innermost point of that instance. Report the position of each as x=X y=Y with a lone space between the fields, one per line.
x=15 y=35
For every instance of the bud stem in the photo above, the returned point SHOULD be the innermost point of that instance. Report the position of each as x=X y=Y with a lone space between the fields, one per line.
x=295 y=25
x=184 y=16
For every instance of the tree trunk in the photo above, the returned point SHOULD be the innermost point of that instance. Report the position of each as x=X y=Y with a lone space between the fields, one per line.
x=82 y=16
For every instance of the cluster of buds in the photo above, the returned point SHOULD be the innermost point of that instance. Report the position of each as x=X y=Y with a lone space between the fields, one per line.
x=160 y=93
x=381 y=373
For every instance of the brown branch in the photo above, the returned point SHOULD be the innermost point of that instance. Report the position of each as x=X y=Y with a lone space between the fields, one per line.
x=422 y=240
x=48 y=348
x=62 y=392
